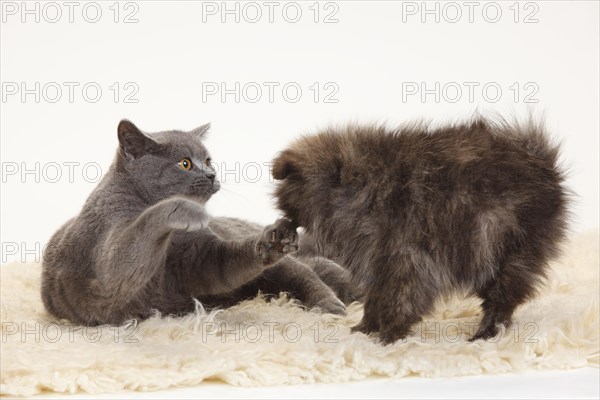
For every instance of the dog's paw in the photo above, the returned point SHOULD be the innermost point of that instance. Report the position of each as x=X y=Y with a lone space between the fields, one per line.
x=366 y=327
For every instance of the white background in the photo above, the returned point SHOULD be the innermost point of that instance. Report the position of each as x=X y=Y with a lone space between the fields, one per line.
x=371 y=55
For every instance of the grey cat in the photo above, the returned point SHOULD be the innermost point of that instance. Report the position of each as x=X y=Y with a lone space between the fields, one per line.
x=144 y=241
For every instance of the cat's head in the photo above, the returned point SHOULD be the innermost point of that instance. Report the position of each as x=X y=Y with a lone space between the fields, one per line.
x=166 y=164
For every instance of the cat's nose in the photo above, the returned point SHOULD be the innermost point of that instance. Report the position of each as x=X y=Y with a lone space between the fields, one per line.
x=211 y=176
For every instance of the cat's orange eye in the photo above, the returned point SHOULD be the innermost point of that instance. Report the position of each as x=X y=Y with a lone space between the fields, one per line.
x=207 y=162
x=185 y=164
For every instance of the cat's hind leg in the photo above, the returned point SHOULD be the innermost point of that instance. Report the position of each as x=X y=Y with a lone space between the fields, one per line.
x=291 y=276
x=336 y=277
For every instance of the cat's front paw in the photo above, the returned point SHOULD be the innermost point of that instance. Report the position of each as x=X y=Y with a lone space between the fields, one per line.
x=186 y=215
x=277 y=240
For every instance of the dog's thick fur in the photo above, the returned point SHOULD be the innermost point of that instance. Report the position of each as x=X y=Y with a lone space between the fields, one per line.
x=417 y=213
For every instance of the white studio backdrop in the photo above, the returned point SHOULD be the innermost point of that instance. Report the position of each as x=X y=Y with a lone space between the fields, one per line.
x=264 y=72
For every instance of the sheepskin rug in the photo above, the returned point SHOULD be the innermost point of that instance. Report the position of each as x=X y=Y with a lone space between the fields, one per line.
x=263 y=342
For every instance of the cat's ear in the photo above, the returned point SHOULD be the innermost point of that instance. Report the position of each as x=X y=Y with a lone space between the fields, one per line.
x=132 y=141
x=201 y=131
x=285 y=165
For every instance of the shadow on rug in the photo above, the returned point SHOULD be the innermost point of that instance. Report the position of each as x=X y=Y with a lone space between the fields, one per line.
x=276 y=342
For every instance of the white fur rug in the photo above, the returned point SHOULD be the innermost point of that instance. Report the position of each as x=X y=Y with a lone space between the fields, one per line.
x=262 y=343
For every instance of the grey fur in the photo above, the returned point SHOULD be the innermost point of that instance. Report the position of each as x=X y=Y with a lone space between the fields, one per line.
x=143 y=242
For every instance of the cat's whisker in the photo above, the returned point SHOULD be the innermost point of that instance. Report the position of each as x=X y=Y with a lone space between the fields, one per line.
x=231 y=192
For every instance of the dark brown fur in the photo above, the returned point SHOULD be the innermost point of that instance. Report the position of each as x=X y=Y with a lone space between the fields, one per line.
x=417 y=213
